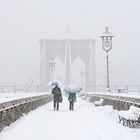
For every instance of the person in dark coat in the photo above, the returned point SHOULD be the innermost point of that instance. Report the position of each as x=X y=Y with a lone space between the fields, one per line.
x=72 y=99
x=57 y=97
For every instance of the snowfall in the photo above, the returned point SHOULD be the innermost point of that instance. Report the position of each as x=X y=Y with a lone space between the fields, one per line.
x=86 y=122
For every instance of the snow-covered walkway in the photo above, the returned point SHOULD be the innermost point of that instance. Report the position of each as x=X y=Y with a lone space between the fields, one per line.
x=86 y=122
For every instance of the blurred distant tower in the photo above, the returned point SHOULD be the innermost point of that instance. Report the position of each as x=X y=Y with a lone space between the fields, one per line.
x=67 y=49
x=52 y=68
x=107 y=46
x=68 y=29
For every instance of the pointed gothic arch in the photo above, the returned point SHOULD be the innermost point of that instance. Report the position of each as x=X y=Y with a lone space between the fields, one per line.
x=78 y=72
x=68 y=50
x=59 y=69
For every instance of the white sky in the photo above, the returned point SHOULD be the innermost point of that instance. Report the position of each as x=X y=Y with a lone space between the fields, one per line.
x=24 y=22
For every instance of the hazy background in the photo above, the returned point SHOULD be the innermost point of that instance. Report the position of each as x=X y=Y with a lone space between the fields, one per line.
x=24 y=22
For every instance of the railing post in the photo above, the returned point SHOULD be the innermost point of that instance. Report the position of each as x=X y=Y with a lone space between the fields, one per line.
x=127 y=89
x=25 y=90
x=14 y=89
x=2 y=89
x=37 y=89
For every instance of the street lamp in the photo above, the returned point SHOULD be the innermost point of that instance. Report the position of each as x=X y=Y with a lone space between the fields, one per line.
x=107 y=46
x=52 y=67
x=82 y=72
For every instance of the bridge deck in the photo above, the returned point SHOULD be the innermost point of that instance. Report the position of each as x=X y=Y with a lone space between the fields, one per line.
x=86 y=122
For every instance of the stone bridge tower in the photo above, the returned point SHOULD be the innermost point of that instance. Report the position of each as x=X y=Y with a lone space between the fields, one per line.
x=68 y=50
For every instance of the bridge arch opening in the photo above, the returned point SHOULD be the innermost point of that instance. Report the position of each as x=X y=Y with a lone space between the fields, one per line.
x=78 y=72
x=59 y=69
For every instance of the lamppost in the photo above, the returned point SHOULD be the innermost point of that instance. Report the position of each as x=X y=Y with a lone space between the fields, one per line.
x=82 y=77
x=52 y=68
x=107 y=46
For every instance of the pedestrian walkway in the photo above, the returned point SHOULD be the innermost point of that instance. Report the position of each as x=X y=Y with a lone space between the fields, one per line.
x=86 y=122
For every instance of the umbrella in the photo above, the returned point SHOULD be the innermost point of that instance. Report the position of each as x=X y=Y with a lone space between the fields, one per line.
x=54 y=83
x=72 y=89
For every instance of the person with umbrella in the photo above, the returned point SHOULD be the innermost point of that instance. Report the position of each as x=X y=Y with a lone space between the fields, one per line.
x=71 y=90
x=57 y=96
x=72 y=99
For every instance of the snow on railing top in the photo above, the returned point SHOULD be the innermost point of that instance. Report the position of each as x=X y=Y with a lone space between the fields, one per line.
x=17 y=102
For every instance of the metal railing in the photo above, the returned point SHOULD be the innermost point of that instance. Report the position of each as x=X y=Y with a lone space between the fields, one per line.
x=115 y=88
x=97 y=88
x=20 y=89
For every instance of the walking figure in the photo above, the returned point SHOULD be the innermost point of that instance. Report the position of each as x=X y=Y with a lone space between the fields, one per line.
x=72 y=99
x=71 y=90
x=57 y=96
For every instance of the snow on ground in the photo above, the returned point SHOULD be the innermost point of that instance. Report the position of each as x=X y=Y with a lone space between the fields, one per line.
x=86 y=122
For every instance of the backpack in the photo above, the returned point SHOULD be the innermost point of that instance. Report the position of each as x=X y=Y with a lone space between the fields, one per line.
x=56 y=90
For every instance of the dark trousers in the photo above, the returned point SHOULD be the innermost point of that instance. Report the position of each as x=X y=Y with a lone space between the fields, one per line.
x=56 y=105
x=71 y=105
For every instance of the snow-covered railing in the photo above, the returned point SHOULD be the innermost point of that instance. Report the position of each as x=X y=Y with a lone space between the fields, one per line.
x=13 y=110
x=97 y=88
x=118 y=102
x=130 y=118
x=130 y=100
x=21 y=89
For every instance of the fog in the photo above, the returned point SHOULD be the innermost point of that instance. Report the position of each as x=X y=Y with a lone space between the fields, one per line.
x=24 y=22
